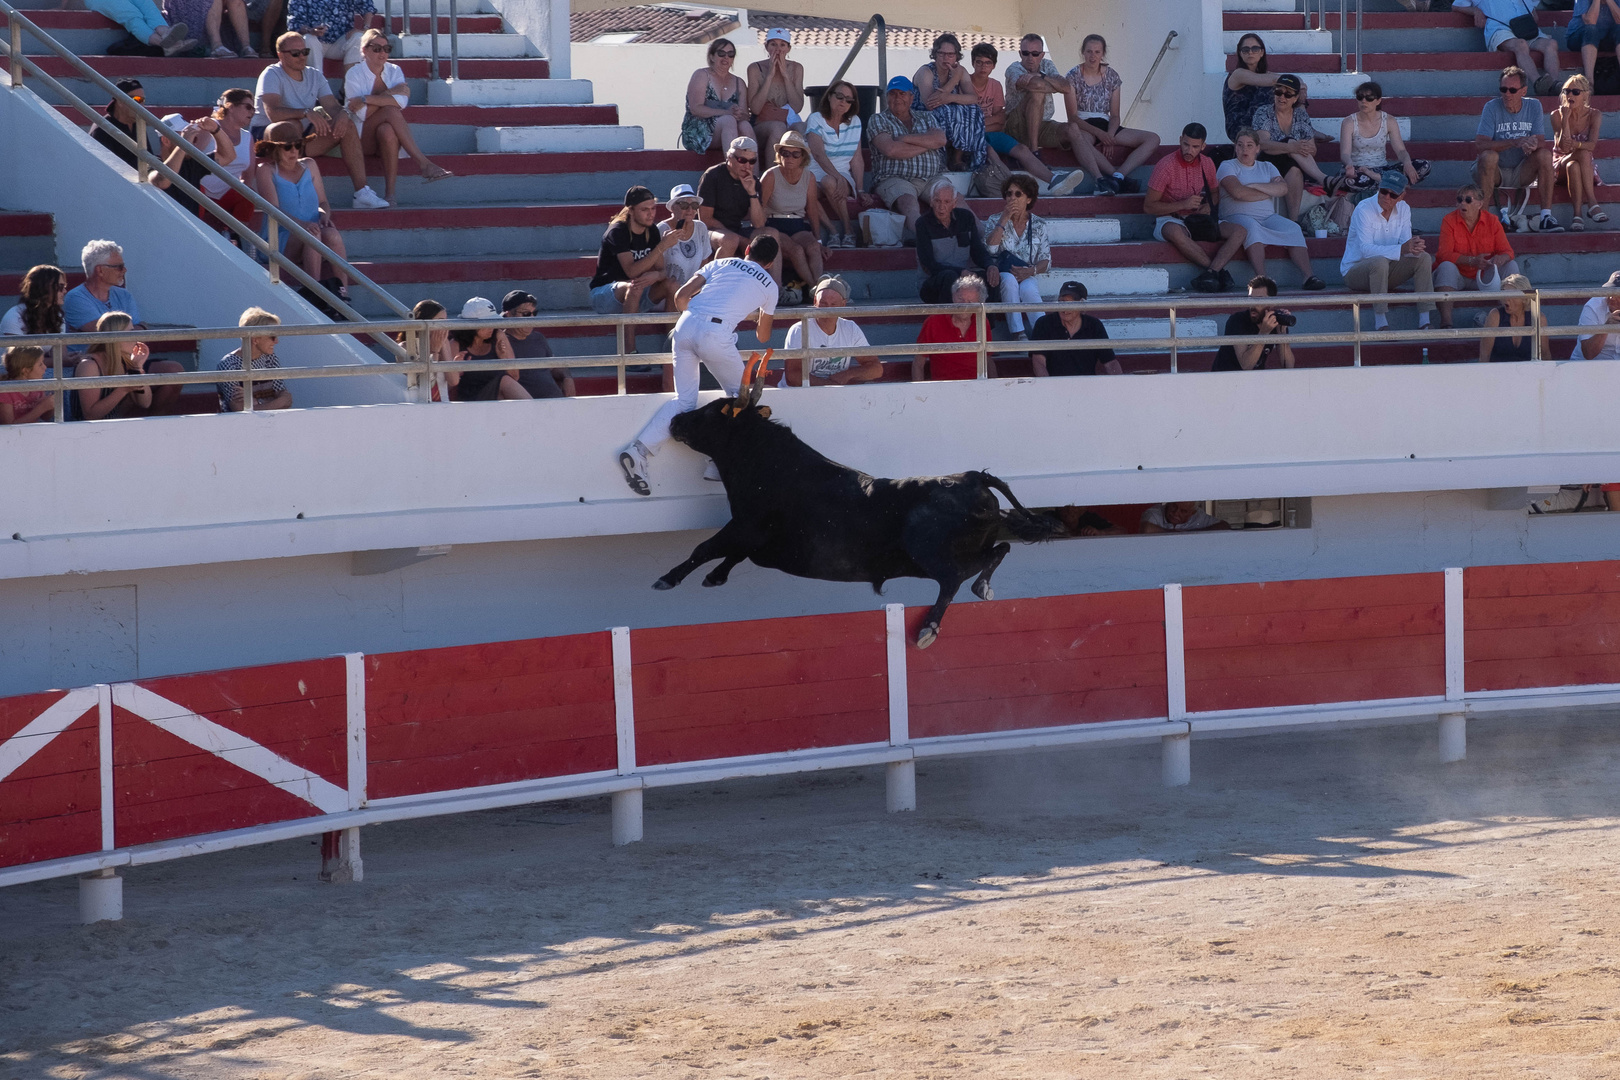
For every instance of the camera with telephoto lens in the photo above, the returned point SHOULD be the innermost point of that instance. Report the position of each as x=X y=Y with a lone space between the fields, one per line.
x=1285 y=319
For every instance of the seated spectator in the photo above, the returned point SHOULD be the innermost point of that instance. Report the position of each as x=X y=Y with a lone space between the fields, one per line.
x=1179 y=517
x=120 y=358
x=1513 y=313
x=1288 y=141
x=233 y=152
x=292 y=183
x=1603 y=311
x=630 y=263
x=528 y=343
x=213 y=15
x=729 y=193
x=1593 y=25
x=1260 y=319
x=25 y=363
x=1381 y=254
x=948 y=242
x=375 y=94
x=1016 y=238
x=944 y=91
x=122 y=117
x=694 y=244
x=1248 y=186
x=1069 y=325
x=1079 y=521
x=1370 y=145
x=908 y=152
x=439 y=346
x=792 y=212
x=485 y=343
x=1510 y=27
x=290 y=89
x=1184 y=196
x=272 y=394
x=199 y=134
x=1033 y=81
x=1096 y=92
x=146 y=24
x=1514 y=149
x=1474 y=250
x=39 y=304
x=775 y=91
x=1576 y=127
x=993 y=104
x=716 y=105
x=103 y=290
x=333 y=28
x=836 y=162
x=949 y=330
x=1249 y=86
x=831 y=332
x=269 y=15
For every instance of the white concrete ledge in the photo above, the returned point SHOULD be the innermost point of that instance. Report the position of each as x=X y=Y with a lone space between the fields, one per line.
x=1083 y=230
x=558 y=139
x=1110 y=281
x=510 y=92
x=1328 y=126
x=1316 y=42
x=468 y=46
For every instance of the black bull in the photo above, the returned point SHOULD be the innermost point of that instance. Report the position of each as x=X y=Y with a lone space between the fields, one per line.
x=796 y=511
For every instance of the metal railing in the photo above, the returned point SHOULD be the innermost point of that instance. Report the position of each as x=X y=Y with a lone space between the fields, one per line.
x=424 y=368
x=1344 y=29
x=23 y=67
x=433 y=33
x=1153 y=70
x=874 y=23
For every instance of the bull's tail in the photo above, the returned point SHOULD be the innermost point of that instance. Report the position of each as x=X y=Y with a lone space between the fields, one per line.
x=1029 y=527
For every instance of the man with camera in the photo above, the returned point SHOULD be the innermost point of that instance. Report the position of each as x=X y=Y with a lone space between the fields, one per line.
x=1183 y=194
x=1259 y=320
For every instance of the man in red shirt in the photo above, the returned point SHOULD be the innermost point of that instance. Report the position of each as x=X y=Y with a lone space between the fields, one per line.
x=1183 y=194
x=951 y=329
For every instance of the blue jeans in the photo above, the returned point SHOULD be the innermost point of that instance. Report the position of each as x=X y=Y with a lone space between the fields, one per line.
x=603 y=302
x=140 y=17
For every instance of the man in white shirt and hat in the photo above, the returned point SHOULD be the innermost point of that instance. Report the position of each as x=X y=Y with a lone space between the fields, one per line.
x=712 y=303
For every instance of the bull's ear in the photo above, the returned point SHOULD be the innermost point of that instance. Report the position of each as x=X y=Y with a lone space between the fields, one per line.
x=764 y=412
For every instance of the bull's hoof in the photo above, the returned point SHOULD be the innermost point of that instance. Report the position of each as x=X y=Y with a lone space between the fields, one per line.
x=712 y=582
x=662 y=585
x=983 y=591
x=926 y=636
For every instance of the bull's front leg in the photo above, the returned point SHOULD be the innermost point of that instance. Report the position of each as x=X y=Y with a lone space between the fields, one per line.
x=936 y=614
x=733 y=543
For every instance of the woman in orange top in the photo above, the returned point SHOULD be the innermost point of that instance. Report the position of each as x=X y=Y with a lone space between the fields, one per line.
x=1471 y=242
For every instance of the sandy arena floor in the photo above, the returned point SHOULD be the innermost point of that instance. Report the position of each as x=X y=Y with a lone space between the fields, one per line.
x=1314 y=905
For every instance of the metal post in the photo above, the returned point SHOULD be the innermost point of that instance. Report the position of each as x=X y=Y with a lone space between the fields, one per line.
x=247 y=374
x=404 y=22
x=804 y=343
x=455 y=44
x=1355 y=317
x=388 y=17
x=423 y=346
x=143 y=171
x=1360 y=5
x=1535 y=323
x=1173 y=349
x=983 y=334
x=433 y=32
x=59 y=395
x=275 y=245
x=16 y=55
x=883 y=61
x=1344 y=34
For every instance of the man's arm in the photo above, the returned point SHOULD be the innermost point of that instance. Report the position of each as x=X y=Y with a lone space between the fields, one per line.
x=762 y=327
x=1037 y=364
x=684 y=294
x=870 y=369
x=1156 y=205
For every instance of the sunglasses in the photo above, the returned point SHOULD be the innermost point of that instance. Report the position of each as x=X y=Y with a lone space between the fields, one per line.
x=114 y=266
x=1567 y=93
x=1510 y=89
x=374 y=47
x=1280 y=92
x=842 y=97
x=948 y=55
x=729 y=54
x=1027 y=52
x=790 y=153
x=137 y=97
x=1251 y=48
x=739 y=159
x=1367 y=97
x=1387 y=193
x=1465 y=200
x=294 y=52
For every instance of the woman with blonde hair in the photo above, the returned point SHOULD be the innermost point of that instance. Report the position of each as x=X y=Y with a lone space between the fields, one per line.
x=267 y=393
x=1576 y=127
x=376 y=96
x=716 y=109
x=1505 y=338
x=110 y=359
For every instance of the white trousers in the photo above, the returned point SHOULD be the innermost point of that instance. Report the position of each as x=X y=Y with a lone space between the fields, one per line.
x=698 y=340
x=1014 y=291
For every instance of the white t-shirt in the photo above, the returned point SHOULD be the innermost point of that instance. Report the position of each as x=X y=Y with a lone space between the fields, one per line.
x=845 y=336
x=360 y=81
x=683 y=260
x=294 y=94
x=212 y=185
x=734 y=289
x=11 y=324
x=1154 y=515
x=1596 y=313
x=841 y=145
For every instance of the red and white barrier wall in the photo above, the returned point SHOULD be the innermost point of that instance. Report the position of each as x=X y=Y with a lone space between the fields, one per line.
x=106 y=776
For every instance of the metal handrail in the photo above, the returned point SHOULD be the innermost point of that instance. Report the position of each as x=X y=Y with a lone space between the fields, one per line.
x=1140 y=90
x=144 y=119
x=875 y=22
x=433 y=33
x=1344 y=30
x=424 y=367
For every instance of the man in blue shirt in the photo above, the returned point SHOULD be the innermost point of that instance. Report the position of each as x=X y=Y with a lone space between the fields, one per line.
x=103 y=289
x=1515 y=149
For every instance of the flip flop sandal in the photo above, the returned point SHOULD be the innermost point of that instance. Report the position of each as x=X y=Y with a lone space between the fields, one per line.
x=1597 y=214
x=1577 y=225
x=431 y=177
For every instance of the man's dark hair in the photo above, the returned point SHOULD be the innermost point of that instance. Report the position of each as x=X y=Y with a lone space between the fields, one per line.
x=1196 y=130
x=516 y=299
x=1260 y=281
x=984 y=48
x=763 y=250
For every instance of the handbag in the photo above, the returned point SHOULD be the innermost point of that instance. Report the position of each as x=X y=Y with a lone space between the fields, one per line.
x=1203 y=227
x=988 y=180
x=881 y=228
x=1525 y=27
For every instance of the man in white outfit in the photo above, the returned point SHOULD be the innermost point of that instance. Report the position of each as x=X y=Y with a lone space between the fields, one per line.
x=712 y=303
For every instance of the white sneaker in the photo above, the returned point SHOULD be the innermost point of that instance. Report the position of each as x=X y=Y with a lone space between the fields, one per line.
x=1067 y=182
x=633 y=462
x=366 y=199
x=712 y=471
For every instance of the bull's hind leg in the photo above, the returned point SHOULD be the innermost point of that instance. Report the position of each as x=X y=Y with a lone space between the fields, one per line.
x=981 y=587
x=936 y=614
x=732 y=543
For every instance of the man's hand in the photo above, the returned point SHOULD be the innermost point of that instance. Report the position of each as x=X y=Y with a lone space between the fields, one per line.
x=320 y=121
x=1414 y=246
x=650 y=278
x=1268 y=322
x=1531 y=143
x=748 y=181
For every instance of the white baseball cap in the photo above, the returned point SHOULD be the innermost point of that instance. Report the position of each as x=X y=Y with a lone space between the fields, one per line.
x=779 y=34
x=478 y=308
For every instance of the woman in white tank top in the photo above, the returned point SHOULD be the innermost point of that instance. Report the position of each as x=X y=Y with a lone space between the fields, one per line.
x=1371 y=145
x=790 y=213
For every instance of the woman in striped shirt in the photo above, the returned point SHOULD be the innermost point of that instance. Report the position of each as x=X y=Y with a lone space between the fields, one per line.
x=834 y=133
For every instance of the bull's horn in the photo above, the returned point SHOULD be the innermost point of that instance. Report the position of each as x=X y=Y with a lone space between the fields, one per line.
x=756 y=385
x=741 y=401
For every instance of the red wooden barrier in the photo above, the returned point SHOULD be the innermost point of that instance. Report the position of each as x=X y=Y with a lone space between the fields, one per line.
x=225 y=749
x=1045 y=662
x=50 y=804
x=733 y=689
x=1554 y=624
x=1314 y=642
x=442 y=719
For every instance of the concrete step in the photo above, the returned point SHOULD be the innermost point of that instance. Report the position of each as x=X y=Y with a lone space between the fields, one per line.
x=558 y=139
x=26 y=240
x=481 y=46
x=1289 y=42
x=1081 y=230
x=510 y=92
x=1270 y=6
x=1327 y=127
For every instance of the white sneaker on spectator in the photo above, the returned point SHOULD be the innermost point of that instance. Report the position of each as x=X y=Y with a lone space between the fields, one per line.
x=712 y=471
x=1064 y=183
x=175 y=34
x=633 y=462
x=180 y=47
x=366 y=199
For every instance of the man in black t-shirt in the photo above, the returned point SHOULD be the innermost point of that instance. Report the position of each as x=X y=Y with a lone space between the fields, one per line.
x=1068 y=326
x=1256 y=320
x=630 y=264
x=528 y=343
x=730 y=195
